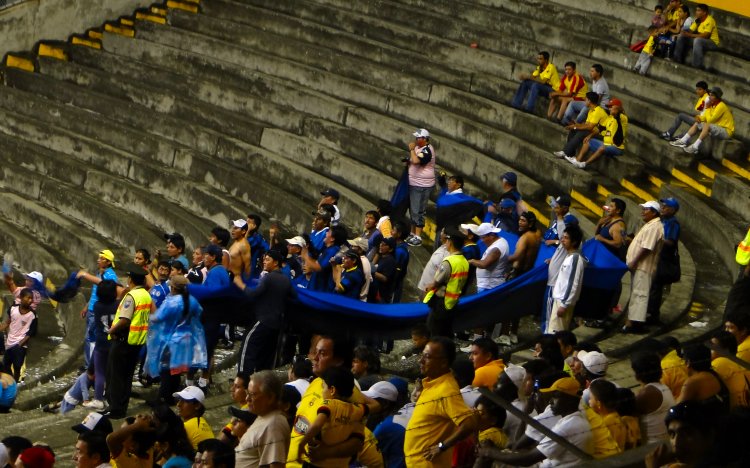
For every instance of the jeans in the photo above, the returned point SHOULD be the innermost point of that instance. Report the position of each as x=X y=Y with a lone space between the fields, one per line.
x=418 y=198
x=678 y=120
x=643 y=63
x=577 y=111
x=100 y=355
x=534 y=89
x=700 y=47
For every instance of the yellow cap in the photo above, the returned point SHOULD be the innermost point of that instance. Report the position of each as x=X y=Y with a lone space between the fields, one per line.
x=567 y=385
x=108 y=255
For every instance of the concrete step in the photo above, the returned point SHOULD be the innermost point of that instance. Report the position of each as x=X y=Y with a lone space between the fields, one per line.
x=33 y=255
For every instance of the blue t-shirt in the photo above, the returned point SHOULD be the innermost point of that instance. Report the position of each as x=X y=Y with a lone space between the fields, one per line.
x=552 y=233
x=108 y=274
x=182 y=259
x=671 y=228
x=178 y=462
x=390 y=436
x=317 y=240
x=352 y=281
x=258 y=247
x=471 y=252
x=323 y=280
x=401 y=254
x=159 y=292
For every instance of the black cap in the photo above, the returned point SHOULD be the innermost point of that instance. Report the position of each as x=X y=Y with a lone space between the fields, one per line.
x=242 y=414
x=135 y=270
x=390 y=242
x=331 y=192
x=94 y=422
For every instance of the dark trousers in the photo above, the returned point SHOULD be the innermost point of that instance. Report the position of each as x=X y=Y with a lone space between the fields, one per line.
x=101 y=358
x=123 y=358
x=14 y=356
x=575 y=140
x=738 y=299
x=258 y=350
x=655 y=295
x=440 y=319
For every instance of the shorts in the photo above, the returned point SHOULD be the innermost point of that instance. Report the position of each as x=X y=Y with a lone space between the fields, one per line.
x=716 y=131
x=609 y=150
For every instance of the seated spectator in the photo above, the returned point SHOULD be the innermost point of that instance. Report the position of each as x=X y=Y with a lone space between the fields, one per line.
x=300 y=373
x=510 y=385
x=738 y=324
x=593 y=367
x=732 y=374
x=463 y=372
x=578 y=132
x=653 y=398
x=647 y=53
x=490 y=421
x=674 y=370
x=658 y=19
x=212 y=452
x=629 y=414
x=8 y=390
x=190 y=408
x=238 y=391
x=266 y=441
x=703 y=383
x=390 y=432
x=420 y=336
x=541 y=82
x=567 y=341
x=577 y=110
x=716 y=122
x=701 y=90
x=677 y=19
x=703 y=36
x=91 y=450
x=547 y=348
x=603 y=400
x=133 y=443
x=366 y=367
x=173 y=449
x=572 y=88
x=487 y=365
x=693 y=432
x=38 y=456
x=614 y=134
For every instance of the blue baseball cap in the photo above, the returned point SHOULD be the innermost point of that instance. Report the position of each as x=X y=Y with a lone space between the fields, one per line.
x=511 y=178
x=670 y=202
x=507 y=203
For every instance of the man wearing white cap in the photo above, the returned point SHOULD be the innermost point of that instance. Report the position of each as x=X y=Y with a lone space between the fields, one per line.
x=34 y=281
x=421 y=167
x=360 y=246
x=293 y=266
x=642 y=259
x=239 y=251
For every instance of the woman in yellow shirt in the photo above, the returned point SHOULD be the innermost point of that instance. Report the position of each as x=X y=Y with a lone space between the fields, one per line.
x=735 y=377
x=190 y=408
x=738 y=324
x=613 y=143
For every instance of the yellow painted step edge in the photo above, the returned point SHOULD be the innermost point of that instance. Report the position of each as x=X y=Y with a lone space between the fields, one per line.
x=644 y=195
x=656 y=181
x=736 y=168
x=603 y=191
x=706 y=171
x=685 y=178
x=542 y=220
x=127 y=22
x=191 y=7
x=46 y=50
x=19 y=62
x=86 y=42
x=127 y=32
x=152 y=18
x=158 y=11
x=95 y=34
x=590 y=204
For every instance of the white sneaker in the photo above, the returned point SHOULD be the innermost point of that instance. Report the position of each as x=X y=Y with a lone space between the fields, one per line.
x=513 y=338
x=94 y=404
x=559 y=154
x=678 y=143
x=692 y=149
x=503 y=340
x=465 y=349
x=570 y=159
x=579 y=164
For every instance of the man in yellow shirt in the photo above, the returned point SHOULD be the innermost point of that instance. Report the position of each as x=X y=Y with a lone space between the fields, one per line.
x=701 y=90
x=613 y=144
x=717 y=121
x=703 y=36
x=579 y=131
x=541 y=82
x=487 y=366
x=440 y=418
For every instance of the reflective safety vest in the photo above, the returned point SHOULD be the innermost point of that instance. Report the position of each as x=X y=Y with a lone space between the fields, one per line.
x=459 y=276
x=743 y=250
x=139 y=321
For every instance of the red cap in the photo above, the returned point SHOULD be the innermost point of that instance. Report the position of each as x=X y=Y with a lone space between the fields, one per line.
x=615 y=102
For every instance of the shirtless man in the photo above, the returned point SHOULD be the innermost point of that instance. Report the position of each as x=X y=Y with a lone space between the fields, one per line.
x=528 y=244
x=239 y=252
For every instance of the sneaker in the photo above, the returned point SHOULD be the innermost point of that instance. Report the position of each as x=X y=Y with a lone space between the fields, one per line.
x=678 y=143
x=414 y=241
x=94 y=404
x=513 y=339
x=666 y=136
x=579 y=164
x=570 y=159
x=559 y=154
x=692 y=149
x=465 y=349
x=503 y=340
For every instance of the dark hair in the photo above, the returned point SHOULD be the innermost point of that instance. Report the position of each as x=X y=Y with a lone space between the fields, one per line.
x=658 y=7
x=647 y=366
x=291 y=396
x=593 y=97
x=686 y=9
x=449 y=348
x=374 y=214
x=740 y=319
x=698 y=357
x=26 y=292
x=702 y=85
x=672 y=343
x=342 y=348
x=177 y=240
x=620 y=205
x=531 y=219
x=566 y=337
x=604 y=391
x=571 y=65
x=727 y=342
x=487 y=346
x=544 y=54
x=341 y=379
x=339 y=235
x=652 y=28
x=137 y=279
x=537 y=367
x=401 y=228
x=700 y=415
x=370 y=356
x=256 y=219
x=599 y=69
x=702 y=6
x=463 y=372
x=106 y=291
x=493 y=410
x=575 y=234
x=506 y=388
x=179 y=266
x=551 y=351
x=16 y=445
x=222 y=235
x=146 y=254
x=96 y=443
x=457 y=242
x=457 y=179
x=165 y=263
x=223 y=453
x=625 y=402
x=302 y=367
x=420 y=329
x=384 y=207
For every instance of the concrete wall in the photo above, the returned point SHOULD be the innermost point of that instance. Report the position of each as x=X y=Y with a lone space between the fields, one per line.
x=24 y=24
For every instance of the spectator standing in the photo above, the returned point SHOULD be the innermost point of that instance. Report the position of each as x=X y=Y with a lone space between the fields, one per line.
x=421 y=168
x=572 y=88
x=197 y=273
x=668 y=268
x=258 y=244
x=577 y=132
x=703 y=36
x=614 y=133
x=348 y=278
x=106 y=263
x=322 y=268
x=160 y=289
x=384 y=276
x=506 y=217
x=371 y=233
x=433 y=264
x=20 y=322
x=220 y=237
x=34 y=281
x=647 y=53
x=384 y=209
x=401 y=254
x=701 y=104
x=541 y=82
x=240 y=258
x=176 y=249
x=360 y=246
x=642 y=260
x=568 y=281
x=104 y=314
x=331 y=197
x=447 y=286
x=611 y=229
x=577 y=111
x=717 y=122
x=527 y=246
x=561 y=209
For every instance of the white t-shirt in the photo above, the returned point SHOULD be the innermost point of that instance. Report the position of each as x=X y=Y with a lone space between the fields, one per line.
x=547 y=419
x=494 y=275
x=428 y=274
x=574 y=428
x=266 y=441
x=301 y=386
x=19 y=327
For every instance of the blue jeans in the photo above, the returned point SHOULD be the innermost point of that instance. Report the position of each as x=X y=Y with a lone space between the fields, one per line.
x=609 y=150
x=418 y=198
x=90 y=337
x=700 y=47
x=577 y=111
x=534 y=89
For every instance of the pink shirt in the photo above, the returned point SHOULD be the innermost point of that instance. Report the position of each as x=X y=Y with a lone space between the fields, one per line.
x=423 y=175
x=19 y=326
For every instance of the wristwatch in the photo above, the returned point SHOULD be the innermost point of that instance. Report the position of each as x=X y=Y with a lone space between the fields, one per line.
x=442 y=447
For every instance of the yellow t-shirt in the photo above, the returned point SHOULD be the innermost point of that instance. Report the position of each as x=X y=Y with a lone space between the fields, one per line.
x=610 y=128
x=370 y=455
x=597 y=116
x=673 y=373
x=700 y=104
x=344 y=420
x=604 y=444
x=735 y=378
x=650 y=46
x=307 y=411
x=719 y=115
x=126 y=460
x=743 y=350
x=707 y=26
x=198 y=430
x=617 y=428
x=633 y=426
x=438 y=411
x=486 y=376
x=548 y=76
x=495 y=436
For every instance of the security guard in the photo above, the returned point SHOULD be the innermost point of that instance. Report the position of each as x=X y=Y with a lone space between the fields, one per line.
x=128 y=335
x=448 y=285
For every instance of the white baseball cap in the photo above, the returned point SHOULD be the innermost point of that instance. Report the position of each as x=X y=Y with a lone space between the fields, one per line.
x=594 y=361
x=35 y=275
x=653 y=204
x=421 y=133
x=484 y=229
x=384 y=390
x=516 y=374
x=297 y=240
x=239 y=223
x=191 y=392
